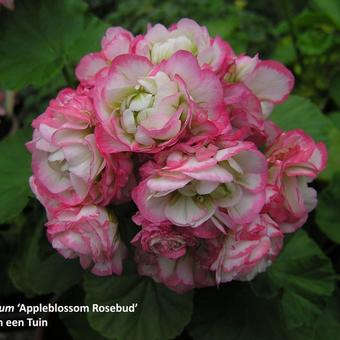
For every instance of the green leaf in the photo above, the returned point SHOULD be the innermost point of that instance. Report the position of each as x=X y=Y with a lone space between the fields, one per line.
x=35 y=101
x=334 y=89
x=79 y=328
x=328 y=325
x=335 y=118
x=314 y=43
x=227 y=29
x=233 y=312
x=306 y=277
x=284 y=51
x=308 y=19
x=6 y=286
x=327 y=212
x=333 y=162
x=15 y=169
x=301 y=113
x=222 y=27
x=37 y=268
x=160 y=314
x=41 y=36
x=331 y=8
x=263 y=287
x=77 y=323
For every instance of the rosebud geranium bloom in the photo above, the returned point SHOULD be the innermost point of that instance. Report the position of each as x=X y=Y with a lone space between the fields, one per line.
x=177 y=122
x=160 y=43
x=89 y=233
x=66 y=163
x=188 y=191
x=50 y=204
x=116 y=41
x=163 y=239
x=145 y=109
x=294 y=160
x=182 y=274
x=245 y=112
x=269 y=80
x=179 y=259
x=248 y=250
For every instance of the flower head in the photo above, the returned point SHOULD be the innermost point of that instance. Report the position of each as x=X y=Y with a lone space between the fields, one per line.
x=180 y=273
x=145 y=109
x=269 y=80
x=188 y=190
x=89 y=233
x=248 y=250
x=160 y=43
x=115 y=42
x=294 y=160
x=67 y=165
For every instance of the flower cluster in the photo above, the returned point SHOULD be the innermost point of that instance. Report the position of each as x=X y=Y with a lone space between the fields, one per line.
x=178 y=123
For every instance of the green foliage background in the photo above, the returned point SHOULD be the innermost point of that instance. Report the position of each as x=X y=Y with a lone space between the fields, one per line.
x=298 y=297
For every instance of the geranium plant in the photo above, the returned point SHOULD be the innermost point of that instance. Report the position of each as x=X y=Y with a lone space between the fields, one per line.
x=177 y=123
x=168 y=170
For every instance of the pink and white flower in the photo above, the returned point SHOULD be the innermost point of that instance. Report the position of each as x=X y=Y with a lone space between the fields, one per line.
x=163 y=239
x=51 y=205
x=269 y=80
x=189 y=190
x=183 y=273
x=145 y=109
x=160 y=43
x=91 y=234
x=115 y=42
x=294 y=160
x=245 y=112
x=191 y=115
x=272 y=131
x=67 y=165
x=248 y=250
